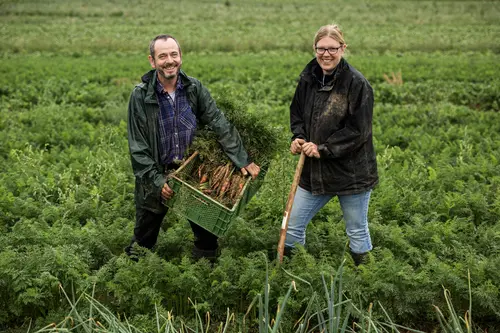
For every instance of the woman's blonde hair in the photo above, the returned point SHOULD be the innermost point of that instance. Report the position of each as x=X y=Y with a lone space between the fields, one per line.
x=329 y=30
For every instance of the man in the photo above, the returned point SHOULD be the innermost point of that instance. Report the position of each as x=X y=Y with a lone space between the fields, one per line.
x=163 y=114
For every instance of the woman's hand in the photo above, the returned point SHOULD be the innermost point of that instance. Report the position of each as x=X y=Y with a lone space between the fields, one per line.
x=296 y=146
x=310 y=149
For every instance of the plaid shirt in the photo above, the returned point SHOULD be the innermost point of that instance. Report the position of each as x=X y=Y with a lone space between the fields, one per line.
x=177 y=123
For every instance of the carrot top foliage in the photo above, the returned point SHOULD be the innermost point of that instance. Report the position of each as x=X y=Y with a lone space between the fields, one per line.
x=262 y=139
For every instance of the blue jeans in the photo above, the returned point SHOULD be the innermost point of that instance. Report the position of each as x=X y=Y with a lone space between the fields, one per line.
x=355 y=211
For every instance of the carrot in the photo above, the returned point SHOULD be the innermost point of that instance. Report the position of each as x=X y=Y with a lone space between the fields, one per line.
x=229 y=171
x=224 y=187
x=241 y=184
x=218 y=178
x=204 y=178
x=227 y=180
x=200 y=170
x=217 y=175
x=234 y=186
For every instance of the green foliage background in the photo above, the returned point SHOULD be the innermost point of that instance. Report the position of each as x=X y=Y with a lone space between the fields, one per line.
x=66 y=188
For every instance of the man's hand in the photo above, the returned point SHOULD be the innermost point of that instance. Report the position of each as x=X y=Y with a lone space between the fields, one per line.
x=310 y=149
x=296 y=146
x=167 y=192
x=252 y=169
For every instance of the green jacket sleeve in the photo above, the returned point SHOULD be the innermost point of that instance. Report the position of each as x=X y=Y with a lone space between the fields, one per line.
x=147 y=172
x=228 y=135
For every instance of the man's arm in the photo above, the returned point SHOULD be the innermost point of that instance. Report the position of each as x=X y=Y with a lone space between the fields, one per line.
x=143 y=164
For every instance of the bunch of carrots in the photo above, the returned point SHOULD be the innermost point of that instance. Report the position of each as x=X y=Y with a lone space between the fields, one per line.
x=212 y=173
x=223 y=183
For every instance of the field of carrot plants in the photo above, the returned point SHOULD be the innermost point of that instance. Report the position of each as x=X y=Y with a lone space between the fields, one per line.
x=66 y=186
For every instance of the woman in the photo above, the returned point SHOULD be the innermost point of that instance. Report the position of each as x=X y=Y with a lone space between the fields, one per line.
x=331 y=121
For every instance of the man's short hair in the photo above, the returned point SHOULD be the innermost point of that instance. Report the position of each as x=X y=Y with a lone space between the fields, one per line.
x=163 y=37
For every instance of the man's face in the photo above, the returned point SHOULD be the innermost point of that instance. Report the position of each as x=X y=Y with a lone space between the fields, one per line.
x=328 y=53
x=167 y=60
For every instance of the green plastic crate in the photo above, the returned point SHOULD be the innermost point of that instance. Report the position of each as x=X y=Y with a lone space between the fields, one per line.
x=201 y=209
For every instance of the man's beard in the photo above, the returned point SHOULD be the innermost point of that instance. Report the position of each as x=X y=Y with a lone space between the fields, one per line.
x=169 y=76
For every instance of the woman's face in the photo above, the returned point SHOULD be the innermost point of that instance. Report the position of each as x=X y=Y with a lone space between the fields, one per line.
x=328 y=53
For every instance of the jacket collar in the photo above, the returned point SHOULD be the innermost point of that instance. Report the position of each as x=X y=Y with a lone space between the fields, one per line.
x=150 y=78
x=313 y=72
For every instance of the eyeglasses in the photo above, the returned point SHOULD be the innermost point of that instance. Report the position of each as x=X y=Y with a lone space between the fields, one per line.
x=331 y=50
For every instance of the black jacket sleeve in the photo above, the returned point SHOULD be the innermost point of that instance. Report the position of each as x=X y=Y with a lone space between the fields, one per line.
x=297 y=125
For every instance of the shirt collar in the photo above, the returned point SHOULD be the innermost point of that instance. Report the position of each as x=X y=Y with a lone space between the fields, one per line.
x=160 y=89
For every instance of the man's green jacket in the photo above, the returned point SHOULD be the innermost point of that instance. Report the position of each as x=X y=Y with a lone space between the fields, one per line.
x=144 y=136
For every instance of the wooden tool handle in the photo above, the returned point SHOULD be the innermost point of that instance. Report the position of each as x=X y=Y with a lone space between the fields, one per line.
x=288 y=207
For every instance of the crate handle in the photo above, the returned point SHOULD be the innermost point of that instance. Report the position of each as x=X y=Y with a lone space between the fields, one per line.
x=200 y=199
